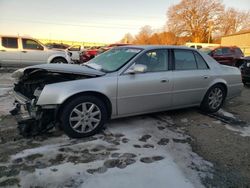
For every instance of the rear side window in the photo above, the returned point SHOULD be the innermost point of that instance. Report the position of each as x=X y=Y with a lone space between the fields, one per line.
x=9 y=42
x=201 y=64
x=184 y=60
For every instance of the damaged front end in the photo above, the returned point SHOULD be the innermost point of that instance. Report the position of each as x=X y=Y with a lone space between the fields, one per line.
x=34 y=119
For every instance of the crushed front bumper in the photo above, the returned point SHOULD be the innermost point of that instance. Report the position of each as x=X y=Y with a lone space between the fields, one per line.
x=32 y=119
x=22 y=106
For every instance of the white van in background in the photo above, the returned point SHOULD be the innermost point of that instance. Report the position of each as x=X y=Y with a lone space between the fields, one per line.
x=16 y=51
x=200 y=45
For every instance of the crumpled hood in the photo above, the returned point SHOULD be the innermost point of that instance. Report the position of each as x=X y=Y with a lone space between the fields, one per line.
x=60 y=68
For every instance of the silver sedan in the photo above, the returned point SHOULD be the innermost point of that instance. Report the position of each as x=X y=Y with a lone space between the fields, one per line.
x=123 y=81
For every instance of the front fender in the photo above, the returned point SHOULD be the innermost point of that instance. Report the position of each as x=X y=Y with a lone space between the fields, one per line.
x=56 y=94
x=55 y=55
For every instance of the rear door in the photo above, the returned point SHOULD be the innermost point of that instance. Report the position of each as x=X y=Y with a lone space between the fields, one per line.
x=149 y=91
x=191 y=78
x=32 y=52
x=9 y=51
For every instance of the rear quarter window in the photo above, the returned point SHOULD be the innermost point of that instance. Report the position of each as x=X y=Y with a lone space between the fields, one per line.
x=201 y=63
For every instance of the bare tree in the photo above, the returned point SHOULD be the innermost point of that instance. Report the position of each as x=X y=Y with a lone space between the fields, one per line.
x=233 y=21
x=195 y=18
x=143 y=36
x=127 y=39
x=164 y=38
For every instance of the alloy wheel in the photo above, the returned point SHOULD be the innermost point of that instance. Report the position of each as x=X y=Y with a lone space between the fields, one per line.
x=215 y=98
x=85 y=117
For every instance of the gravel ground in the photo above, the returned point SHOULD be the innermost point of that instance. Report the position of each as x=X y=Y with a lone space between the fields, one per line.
x=210 y=151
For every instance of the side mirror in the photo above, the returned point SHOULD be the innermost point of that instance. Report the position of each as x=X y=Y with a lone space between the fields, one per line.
x=137 y=68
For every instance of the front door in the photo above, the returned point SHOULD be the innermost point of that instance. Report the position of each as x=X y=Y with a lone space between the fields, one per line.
x=33 y=53
x=149 y=91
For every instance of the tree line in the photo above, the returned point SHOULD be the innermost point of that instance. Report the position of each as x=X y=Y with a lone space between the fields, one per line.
x=194 y=21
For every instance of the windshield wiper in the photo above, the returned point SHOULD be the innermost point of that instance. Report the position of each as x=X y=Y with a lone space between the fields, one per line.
x=89 y=66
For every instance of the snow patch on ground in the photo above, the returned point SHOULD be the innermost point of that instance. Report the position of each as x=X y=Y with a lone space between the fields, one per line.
x=226 y=114
x=177 y=168
x=6 y=100
x=242 y=130
x=161 y=174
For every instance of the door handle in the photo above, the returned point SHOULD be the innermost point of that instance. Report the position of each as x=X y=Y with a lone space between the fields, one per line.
x=164 y=80
x=3 y=50
x=24 y=51
x=206 y=77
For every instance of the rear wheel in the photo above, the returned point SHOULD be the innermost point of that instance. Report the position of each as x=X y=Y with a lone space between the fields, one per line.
x=59 y=60
x=214 y=99
x=83 y=116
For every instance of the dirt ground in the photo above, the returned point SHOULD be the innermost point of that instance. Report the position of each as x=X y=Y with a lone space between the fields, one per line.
x=216 y=147
x=228 y=150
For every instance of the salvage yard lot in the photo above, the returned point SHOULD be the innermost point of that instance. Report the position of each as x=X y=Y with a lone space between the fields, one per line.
x=181 y=148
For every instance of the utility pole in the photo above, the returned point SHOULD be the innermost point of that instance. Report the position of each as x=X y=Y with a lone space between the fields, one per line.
x=210 y=25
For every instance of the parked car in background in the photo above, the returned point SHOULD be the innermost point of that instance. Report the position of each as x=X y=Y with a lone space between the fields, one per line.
x=245 y=70
x=24 y=51
x=57 y=46
x=226 y=55
x=200 y=45
x=123 y=81
x=76 y=50
x=89 y=54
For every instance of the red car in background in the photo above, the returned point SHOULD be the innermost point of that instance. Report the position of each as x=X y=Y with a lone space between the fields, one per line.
x=226 y=55
x=94 y=51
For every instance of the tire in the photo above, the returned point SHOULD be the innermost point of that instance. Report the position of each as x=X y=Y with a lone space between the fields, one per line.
x=216 y=93
x=83 y=116
x=59 y=60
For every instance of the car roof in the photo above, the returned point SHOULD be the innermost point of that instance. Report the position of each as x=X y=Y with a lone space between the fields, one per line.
x=151 y=47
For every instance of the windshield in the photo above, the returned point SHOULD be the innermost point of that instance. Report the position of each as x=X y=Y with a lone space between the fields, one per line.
x=113 y=59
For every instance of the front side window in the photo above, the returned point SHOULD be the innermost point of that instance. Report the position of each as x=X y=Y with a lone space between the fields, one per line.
x=9 y=42
x=31 y=44
x=155 y=60
x=113 y=59
x=184 y=60
x=218 y=51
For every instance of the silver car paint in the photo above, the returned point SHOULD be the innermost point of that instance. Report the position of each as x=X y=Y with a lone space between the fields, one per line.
x=130 y=95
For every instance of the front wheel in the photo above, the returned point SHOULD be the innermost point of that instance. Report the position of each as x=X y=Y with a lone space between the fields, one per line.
x=213 y=99
x=83 y=116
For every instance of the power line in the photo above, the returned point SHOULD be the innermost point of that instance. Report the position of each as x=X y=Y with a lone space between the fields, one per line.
x=89 y=25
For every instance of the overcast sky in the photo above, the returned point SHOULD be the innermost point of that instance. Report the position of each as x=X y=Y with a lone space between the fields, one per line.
x=86 y=20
